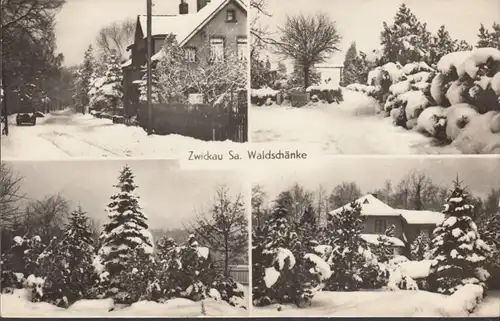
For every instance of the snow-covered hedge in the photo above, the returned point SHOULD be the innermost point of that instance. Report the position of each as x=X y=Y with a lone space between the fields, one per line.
x=464 y=301
x=329 y=93
x=263 y=96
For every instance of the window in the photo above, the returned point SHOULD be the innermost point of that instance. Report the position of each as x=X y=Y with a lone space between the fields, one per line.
x=380 y=226
x=190 y=54
x=216 y=49
x=242 y=48
x=231 y=16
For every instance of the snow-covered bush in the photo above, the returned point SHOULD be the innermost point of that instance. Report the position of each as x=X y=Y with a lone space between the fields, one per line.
x=457 y=250
x=481 y=135
x=432 y=121
x=106 y=91
x=66 y=265
x=329 y=93
x=262 y=96
x=229 y=290
x=284 y=269
x=186 y=270
x=464 y=301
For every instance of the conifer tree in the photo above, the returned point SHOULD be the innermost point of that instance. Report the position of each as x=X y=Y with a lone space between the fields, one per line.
x=349 y=72
x=127 y=229
x=406 y=39
x=67 y=265
x=343 y=234
x=155 y=87
x=419 y=248
x=487 y=38
x=84 y=78
x=457 y=249
x=441 y=44
x=108 y=91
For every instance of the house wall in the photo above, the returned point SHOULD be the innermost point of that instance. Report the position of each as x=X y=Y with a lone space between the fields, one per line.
x=413 y=230
x=218 y=27
x=369 y=224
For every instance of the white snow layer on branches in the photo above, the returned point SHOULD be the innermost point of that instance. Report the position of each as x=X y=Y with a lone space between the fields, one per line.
x=430 y=119
x=271 y=276
x=458 y=117
x=323 y=86
x=282 y=255
x=263 y=92
x=321 y=269
x=394 y=71
x=416 y=102
x=467 y=62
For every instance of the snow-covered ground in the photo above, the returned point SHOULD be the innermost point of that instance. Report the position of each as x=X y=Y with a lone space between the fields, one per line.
x=381 y=304
x=63 y=135
x=352 y=127
x=16 y=305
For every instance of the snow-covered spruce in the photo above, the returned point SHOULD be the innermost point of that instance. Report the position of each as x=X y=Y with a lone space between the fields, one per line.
x=458 y=252
x=106 y=91
x=126 y=231
x=66 y=265
x=284 y=270
x=419 y=248
x=155 y=87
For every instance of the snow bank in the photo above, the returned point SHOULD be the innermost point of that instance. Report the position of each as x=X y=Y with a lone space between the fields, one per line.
x=464 y=301
x=322 y=87
x=358 y=104
x=477 y=137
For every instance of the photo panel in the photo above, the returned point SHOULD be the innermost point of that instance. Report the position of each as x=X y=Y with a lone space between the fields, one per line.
x=377 y=237
x=104 y=94
x=376 y=76
x=123 y=238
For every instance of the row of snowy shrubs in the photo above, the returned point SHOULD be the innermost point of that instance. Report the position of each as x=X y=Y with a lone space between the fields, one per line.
x=176 y=271
x=458 y=101
x=327 y=93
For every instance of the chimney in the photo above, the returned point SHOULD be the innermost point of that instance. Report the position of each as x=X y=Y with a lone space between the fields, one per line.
x=183 y=7
x=202 y=4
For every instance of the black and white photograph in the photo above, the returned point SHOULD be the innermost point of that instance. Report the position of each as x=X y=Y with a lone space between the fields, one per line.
x=116 y=238
x=376 y=76
x=377 y=237
x=80 y=80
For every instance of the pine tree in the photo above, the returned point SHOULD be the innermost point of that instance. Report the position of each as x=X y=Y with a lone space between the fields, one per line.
x=67 y=264
x=484 y=37
x=406 y=40
x=84 y=78
x=441 y=44
x=343 y=234
x=463 y=45
x=419 y=248
x=108 y=91
x=457 y=249
x=349 y=72
x=156 y=91
x=127 y=229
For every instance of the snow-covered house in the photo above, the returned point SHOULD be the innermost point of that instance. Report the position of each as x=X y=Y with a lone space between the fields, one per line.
x=220 y=23
x=378 y=217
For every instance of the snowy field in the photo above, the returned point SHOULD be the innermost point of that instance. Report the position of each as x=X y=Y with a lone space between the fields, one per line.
x=383 y=304
x=62 y=135
x=353 y=127
x=16 y=305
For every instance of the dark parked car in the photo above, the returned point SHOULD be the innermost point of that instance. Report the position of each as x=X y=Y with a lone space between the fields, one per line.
x=26 y=118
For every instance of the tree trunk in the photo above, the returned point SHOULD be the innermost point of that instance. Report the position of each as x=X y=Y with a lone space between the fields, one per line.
x=226 y=256
x=306 y=77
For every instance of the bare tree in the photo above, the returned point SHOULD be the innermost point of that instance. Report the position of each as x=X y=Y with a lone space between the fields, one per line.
x=296 y=200
x=10 y=196
x=259 y=33
x=417 y=191
x=46 y=217
x=322 y=204
x=225 y=229
x=116 y=37
x=344 y=193
x=308 y=40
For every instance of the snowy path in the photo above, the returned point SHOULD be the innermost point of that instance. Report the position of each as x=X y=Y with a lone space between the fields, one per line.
x=63 y=135
x=337 y=129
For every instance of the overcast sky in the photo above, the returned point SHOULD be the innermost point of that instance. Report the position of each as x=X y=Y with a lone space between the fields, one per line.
x=168 y=196
x=79 y=21
x=361 y=20
x=479 y=174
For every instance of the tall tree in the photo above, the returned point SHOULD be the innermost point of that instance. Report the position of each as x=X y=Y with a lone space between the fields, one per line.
x=127 y=229
x=489 y=38
x=10 y=196
x=296 y=200
x=344 y=193
x=116 y=37
x=225 y=229
x=308 y=40
x=84 y=78
x=259 y=210
x=457 y=249
x=107 y=91
x=406 y=39
x=441 y=44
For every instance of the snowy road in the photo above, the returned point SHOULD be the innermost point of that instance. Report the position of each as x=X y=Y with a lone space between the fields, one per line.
x=348 y=128
x=63 y=135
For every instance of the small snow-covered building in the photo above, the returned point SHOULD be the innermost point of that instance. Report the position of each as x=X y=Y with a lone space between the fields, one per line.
x=206 y=30
x=378 y=217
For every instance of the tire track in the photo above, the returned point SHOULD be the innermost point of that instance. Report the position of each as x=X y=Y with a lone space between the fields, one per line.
x=58 y=140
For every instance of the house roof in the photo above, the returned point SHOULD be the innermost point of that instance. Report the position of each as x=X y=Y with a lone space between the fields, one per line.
x=186 y=26
x=421 y=217
x=370 y=206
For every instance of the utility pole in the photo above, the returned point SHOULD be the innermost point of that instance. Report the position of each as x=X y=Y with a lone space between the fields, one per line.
x=149 y=77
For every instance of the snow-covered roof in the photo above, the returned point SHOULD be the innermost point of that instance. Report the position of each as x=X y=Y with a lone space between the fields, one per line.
x=187 y=25
x=370 y=206
x=421 y=217
x=374 y=239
